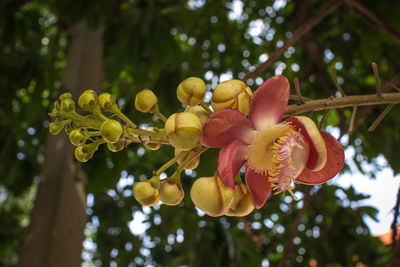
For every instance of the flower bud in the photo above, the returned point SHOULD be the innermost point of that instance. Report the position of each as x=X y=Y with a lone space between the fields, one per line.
x=211 y=196
x=191 y=91
x=152 y=146
x=68 y=105
x=65 y=96
x=87 y=100
x=192 y=164
x=111 y=130
x=106 y=101
x=199 y=112
x=117 y=146
x=145 y=101
x=78 y=137
x=171 y=194
x=84 y=152
x=242 y=203
x=183 y=130
x=233 y=94
x=55 y=127
x=145 y=193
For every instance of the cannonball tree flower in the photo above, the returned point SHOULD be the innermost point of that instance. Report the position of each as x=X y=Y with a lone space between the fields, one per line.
x=274 y=153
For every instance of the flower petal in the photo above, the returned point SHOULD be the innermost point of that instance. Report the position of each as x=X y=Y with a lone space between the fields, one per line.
x=225 y=126
x=258 y=186
x=269 y=102
x=318 y=155
x=230 y=160
x=332 y=167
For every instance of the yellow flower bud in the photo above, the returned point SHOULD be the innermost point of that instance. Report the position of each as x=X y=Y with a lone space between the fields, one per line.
x=191 y=91
x=191 y=165
x=84 y=153
x=171 y=194
x=106 y=101
x=183 y=130
x=145 y=101
x=87 y=100
x=111 y=130
x=211 y=196
x=55 y=127
x=65 y=96
x=152 y=146
x=78 y=137
x=145 y=193
x=68 y=105
x=233 y=94
x=199 y=112
x=242 y=203
x=117 y=146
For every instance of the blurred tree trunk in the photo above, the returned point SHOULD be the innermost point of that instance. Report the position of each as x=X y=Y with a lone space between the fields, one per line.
x=56 y=231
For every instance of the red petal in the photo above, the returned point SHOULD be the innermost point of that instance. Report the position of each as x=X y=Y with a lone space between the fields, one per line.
x=258 y=186
x=332 y=167
x=225 y=126
x=269 y=102
x=230 y=160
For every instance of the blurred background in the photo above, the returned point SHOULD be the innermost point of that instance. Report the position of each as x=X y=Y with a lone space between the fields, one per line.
x=55 y=211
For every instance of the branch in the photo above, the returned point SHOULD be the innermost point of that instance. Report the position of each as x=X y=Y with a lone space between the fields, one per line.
x=296 y=36
x=394 y=223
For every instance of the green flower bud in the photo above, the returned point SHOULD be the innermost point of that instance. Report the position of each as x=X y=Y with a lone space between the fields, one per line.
x=87 y=100
x=117 y=146
x=68 y=105
x=55 y=127
x=111 y=130
x=211 y=196
x=106 y=101
x=78 y=137
x=191 y=91
x=199 y=112
x=145 y=101
x=192 y=164
x=68 y=128
x=233 y=94
x=183 y=130
x=65 y=96
x=242 y=203
x=152 y=146
x=171 y=194
x=84 y=152
x=145 y=193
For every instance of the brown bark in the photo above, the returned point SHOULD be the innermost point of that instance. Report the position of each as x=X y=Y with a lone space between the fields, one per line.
x=55 y=233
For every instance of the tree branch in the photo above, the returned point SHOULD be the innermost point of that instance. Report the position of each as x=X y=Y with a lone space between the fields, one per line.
x=394 y=223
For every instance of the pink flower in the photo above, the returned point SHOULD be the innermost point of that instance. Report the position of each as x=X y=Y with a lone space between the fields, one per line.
x=274 y=153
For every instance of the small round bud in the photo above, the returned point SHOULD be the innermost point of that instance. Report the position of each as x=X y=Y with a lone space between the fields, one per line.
x=191 y=91
x=170 y=194
x=145 y=193
x=65 y=96
x=192 y=164
x=242 y=203
x=106 y=101
x=145 y=100
x=199 y=112
x=111 y=130
x=233 y=94
x=68 y=105
x=83 y=153
x=117 y=146
x=183 y=130
x=55 y=127
x=211 y=196
x=152 y=146
x=87 y=100
x=78 y=137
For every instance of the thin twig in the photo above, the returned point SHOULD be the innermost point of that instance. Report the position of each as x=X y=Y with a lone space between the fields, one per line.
x=323 y=119
x=340 y=89
x=380 y=118
x=298 y=91
x=296 y=36
x=352 y=120
x=377 y=82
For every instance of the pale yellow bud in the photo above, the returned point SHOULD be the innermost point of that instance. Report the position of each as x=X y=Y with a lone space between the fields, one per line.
x=145 y=193
x=171 y=194
x=117 y=146
x=233 y=94
x=199 y=112
x=183 y=130
x=106 y=101
x=211 y=196
x=192 y=164
x=191 y=91
x=145 y=101
x=87 y=100
x=111 y=130
x=152 y=146
x=242 y=203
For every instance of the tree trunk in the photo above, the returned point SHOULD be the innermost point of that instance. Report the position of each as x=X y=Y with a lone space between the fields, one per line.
x=56 y=230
